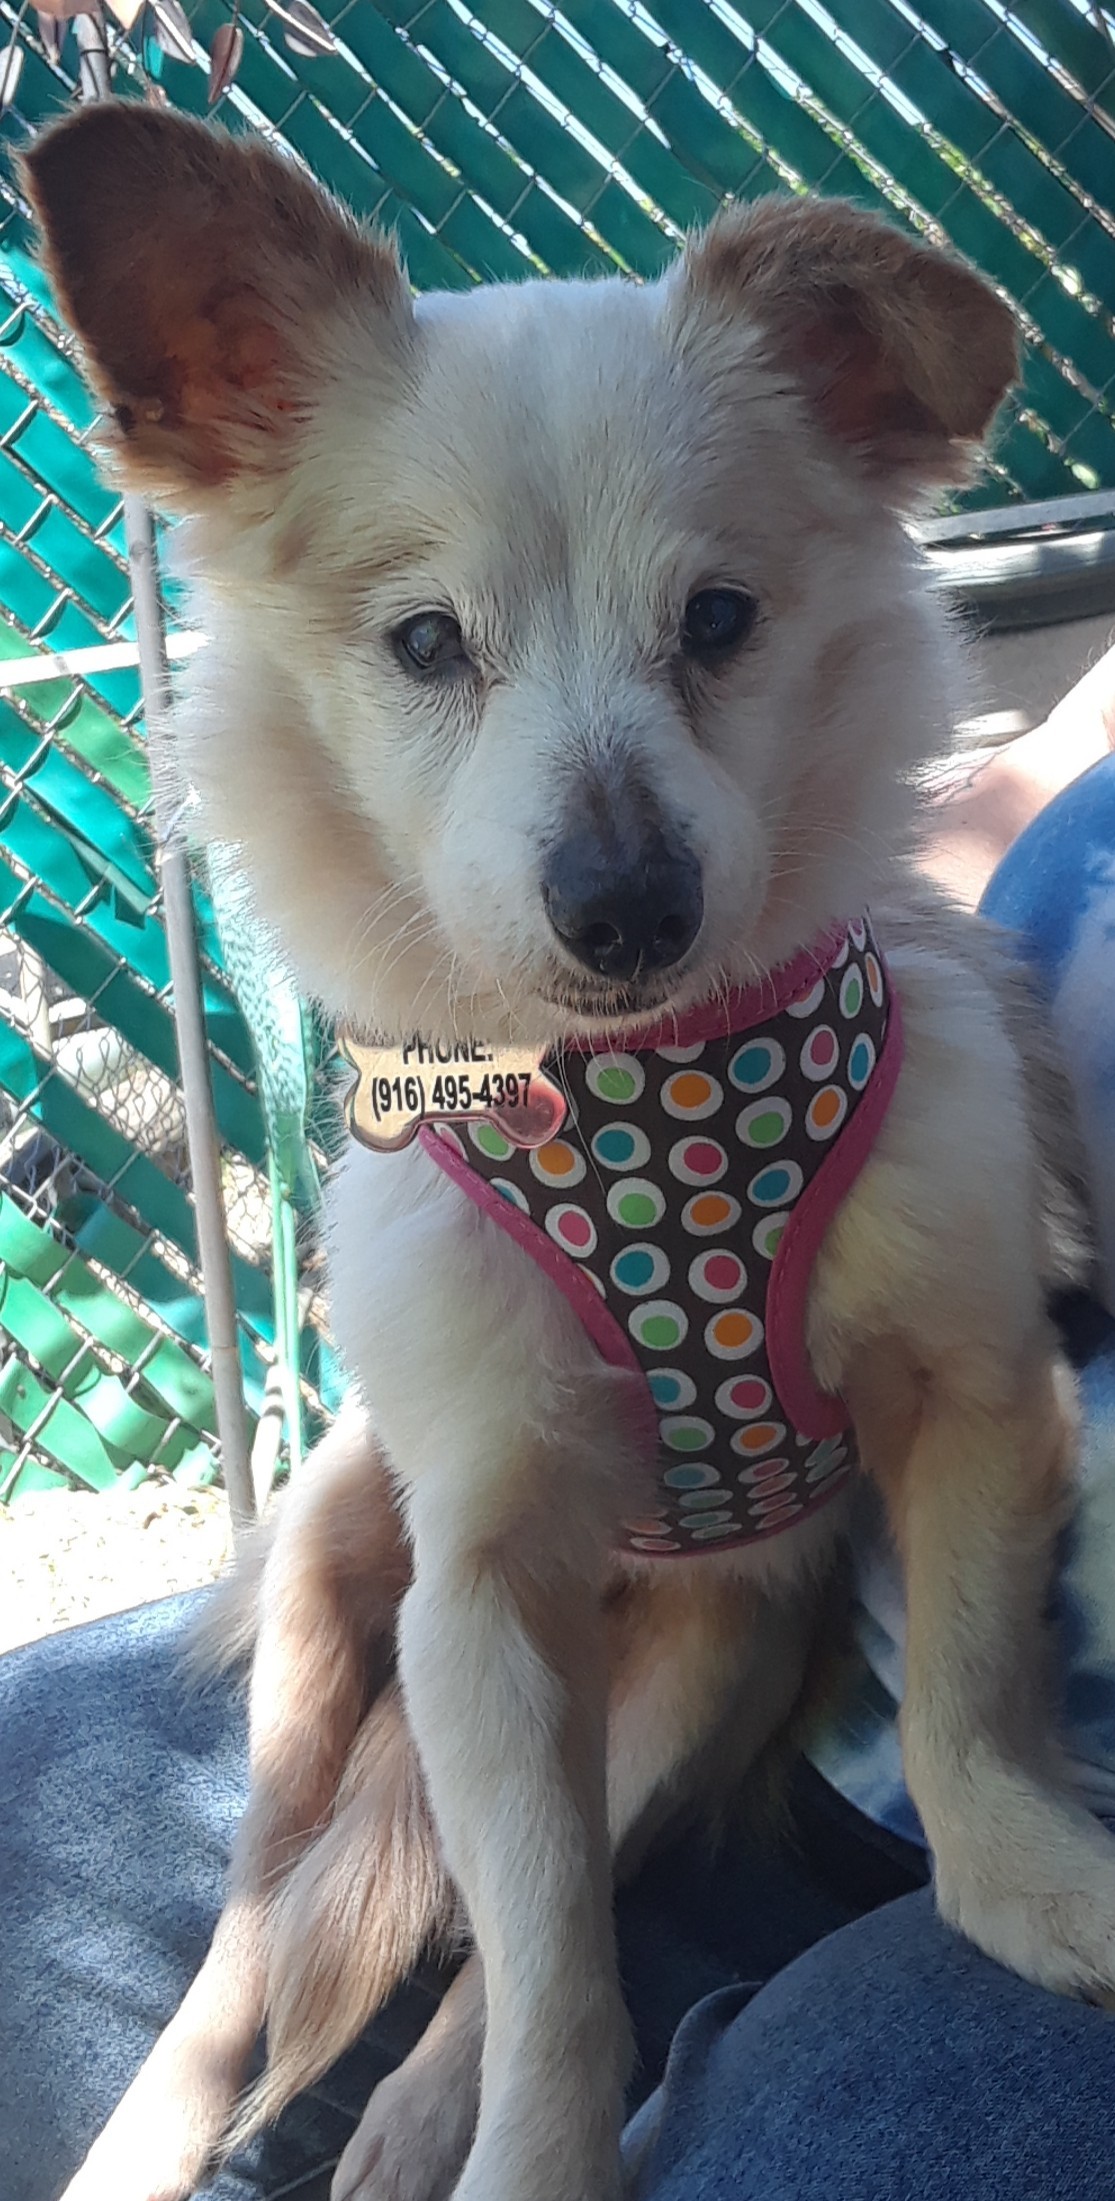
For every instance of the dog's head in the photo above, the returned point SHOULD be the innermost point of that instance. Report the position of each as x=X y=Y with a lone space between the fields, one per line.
x=569 y=657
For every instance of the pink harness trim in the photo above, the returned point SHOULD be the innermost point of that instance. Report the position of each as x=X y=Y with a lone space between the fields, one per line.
x=819 y=1413
x=815 y=1414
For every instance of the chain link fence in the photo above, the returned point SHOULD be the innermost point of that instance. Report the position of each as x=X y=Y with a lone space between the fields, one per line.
x=501 y=140
x=522 y=136
x=104 y=1367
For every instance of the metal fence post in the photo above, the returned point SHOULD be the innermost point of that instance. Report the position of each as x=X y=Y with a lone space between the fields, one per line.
x=201 y=1130
x=189 y=1017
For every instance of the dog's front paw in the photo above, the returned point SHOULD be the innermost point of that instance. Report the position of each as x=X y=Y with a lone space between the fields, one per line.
x=1037 y=1893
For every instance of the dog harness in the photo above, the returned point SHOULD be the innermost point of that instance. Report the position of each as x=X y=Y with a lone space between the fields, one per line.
x=681 y=1211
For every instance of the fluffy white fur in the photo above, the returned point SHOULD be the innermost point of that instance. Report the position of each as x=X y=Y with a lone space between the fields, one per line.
x=561 y=467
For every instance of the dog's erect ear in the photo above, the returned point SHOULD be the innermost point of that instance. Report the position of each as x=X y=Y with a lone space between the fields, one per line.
x=904 y=353
x=212 y=284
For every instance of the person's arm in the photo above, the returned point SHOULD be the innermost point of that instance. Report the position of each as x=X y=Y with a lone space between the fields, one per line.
x=972 y=827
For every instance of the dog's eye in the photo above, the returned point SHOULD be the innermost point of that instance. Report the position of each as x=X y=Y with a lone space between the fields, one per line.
x=431 y=642
x=717 y=620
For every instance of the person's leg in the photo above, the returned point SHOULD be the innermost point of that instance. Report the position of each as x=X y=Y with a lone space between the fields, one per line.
x=890 y=2052
x=120 y=1790
x=699 y=1918
x=120 y=1787
x=891 y=2062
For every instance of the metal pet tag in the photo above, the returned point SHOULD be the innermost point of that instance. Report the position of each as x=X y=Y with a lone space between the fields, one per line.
x=400 y=1087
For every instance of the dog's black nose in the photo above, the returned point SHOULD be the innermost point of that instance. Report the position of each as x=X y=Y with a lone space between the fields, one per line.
x=624 y=913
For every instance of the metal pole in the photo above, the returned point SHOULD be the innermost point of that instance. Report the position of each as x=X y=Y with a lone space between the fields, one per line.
x=93 y=78
x=189 y=1018
x=178 y=911
x=32 y=986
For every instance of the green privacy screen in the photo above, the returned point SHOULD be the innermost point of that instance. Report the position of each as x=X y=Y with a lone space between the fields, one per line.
x=501 y=140
x=518 y=136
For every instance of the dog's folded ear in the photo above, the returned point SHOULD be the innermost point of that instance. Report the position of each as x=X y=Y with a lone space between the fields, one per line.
x=214 y=286
x=904 y=353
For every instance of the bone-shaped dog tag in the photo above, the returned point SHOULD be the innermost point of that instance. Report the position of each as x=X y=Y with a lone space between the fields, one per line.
x=398 y=1088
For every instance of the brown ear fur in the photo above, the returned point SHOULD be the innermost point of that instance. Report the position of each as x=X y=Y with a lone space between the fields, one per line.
x=203 y=275
x=905 y=354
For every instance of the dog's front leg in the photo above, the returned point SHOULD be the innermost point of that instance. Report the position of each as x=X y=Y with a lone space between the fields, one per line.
x=502 y=1664
x=927 y=1311
x=703 y=1668
x=976 y=1498
x=504 y=1433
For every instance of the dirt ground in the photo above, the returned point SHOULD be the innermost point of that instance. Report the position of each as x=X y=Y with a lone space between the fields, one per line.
x=71 y=1557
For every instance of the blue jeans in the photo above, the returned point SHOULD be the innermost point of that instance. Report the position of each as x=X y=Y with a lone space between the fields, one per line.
x=844 y=2044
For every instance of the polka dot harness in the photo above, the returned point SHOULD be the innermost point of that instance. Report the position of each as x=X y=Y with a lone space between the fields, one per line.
x=681 y=1211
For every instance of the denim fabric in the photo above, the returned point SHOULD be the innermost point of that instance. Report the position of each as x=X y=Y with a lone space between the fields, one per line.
x=887 y=2060
x=121 y=1787
x=891 y=2062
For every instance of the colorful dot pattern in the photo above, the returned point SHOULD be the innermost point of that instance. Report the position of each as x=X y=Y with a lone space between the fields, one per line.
x=670 y=1188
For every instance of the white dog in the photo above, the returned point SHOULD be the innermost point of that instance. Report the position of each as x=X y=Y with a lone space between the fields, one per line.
x=569 y=668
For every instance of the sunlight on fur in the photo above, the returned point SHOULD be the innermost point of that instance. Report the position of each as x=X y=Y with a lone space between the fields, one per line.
x=572 y=672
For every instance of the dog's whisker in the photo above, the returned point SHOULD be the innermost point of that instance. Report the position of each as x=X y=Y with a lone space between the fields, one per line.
x=408 y=940
x=373 y=916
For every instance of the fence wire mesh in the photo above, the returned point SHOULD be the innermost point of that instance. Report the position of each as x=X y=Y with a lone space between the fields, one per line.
x=104 y=1362
x=513 y=137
